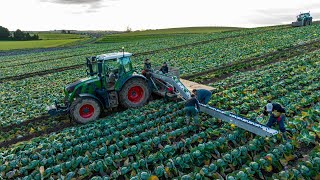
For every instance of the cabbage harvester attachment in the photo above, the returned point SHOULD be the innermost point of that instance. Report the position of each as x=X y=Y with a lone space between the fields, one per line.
x=238 y=121
x=111 y=82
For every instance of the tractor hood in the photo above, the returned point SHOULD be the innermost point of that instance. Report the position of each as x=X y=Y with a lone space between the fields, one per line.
x=70 y=87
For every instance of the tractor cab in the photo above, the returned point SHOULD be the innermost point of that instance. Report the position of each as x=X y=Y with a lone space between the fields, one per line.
x=110 y=67
x=302 y=16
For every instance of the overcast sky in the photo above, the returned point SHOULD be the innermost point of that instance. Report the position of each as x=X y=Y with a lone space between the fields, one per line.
x=149 y=14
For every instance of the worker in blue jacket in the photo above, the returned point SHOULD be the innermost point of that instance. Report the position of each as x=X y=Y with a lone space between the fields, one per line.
x=203 y=95
x=192 y=108
x=277 y=116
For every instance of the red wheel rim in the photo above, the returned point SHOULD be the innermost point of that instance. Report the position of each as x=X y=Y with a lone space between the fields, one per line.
x=135 y=94
x=86 y=111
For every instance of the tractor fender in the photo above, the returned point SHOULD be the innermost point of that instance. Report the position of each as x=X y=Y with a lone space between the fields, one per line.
x=93 y=97
x=118 y=88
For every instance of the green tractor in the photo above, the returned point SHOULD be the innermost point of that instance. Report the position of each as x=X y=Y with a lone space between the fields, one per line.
x=111 y=82
x=303 y=19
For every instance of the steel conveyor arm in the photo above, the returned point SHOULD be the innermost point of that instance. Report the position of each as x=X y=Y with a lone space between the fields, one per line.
x=241 y=122
x=175 y=82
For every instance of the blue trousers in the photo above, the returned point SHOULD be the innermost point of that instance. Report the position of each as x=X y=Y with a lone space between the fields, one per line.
x=204 y=100
x=279 y=120
x=192 y=112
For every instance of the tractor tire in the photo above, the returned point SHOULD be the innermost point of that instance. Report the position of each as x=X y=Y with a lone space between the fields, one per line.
x=134 y=93
x=84 y=110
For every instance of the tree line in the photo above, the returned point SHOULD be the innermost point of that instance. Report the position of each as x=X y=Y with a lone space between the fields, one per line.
x=17 y=35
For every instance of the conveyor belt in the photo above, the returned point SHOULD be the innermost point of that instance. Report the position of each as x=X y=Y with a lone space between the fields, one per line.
x=240 y=122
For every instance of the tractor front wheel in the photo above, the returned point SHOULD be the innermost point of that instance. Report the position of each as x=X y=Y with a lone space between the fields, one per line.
x=84 y=110
x=134 y=93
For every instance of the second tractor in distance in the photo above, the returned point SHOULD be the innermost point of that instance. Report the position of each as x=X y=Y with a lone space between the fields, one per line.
x=303 y=19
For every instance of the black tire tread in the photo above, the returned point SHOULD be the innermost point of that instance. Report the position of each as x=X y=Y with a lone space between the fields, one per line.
x=124 y=91
x=80 y=100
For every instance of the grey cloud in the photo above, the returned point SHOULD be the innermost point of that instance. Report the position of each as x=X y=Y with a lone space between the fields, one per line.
x=93 y=5
x=73 y=1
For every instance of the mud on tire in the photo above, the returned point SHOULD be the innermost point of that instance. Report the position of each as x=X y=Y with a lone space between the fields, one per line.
x=84 y=110
x=134 y=93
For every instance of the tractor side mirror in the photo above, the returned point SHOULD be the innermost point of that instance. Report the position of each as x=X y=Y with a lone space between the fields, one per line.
x=89 y=65
x=99 y=68
x=88 y=61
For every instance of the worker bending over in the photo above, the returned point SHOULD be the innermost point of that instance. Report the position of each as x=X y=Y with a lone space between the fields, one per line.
x=192 y=108
x=277 y=115
x=203 y=95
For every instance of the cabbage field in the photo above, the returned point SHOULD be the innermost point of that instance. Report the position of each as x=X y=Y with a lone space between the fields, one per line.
x=247 y=67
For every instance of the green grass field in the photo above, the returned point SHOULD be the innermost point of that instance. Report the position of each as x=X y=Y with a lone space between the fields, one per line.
x=10 y=45
x=58 y=39
x=184 y=30
x=161 y=33
x=50 y=36
x=47 y=40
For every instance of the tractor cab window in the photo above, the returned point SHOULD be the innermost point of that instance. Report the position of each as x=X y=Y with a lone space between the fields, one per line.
x=111 y=66
x=125 y=64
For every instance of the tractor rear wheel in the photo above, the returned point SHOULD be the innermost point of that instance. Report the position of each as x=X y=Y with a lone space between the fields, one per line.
x=84 y=110
x=134 y=93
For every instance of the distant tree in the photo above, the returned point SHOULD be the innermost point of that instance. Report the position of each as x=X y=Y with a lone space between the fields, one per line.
x=64 y=31
x=69 y=32
x=19 y=35
x=128 y=29
x=22 y=36
x=35 y=37
x=4 y=33
x=27 y=36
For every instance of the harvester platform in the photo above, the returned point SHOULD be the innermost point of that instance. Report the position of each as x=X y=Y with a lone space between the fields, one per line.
x=190 y=85
x=184 y=92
